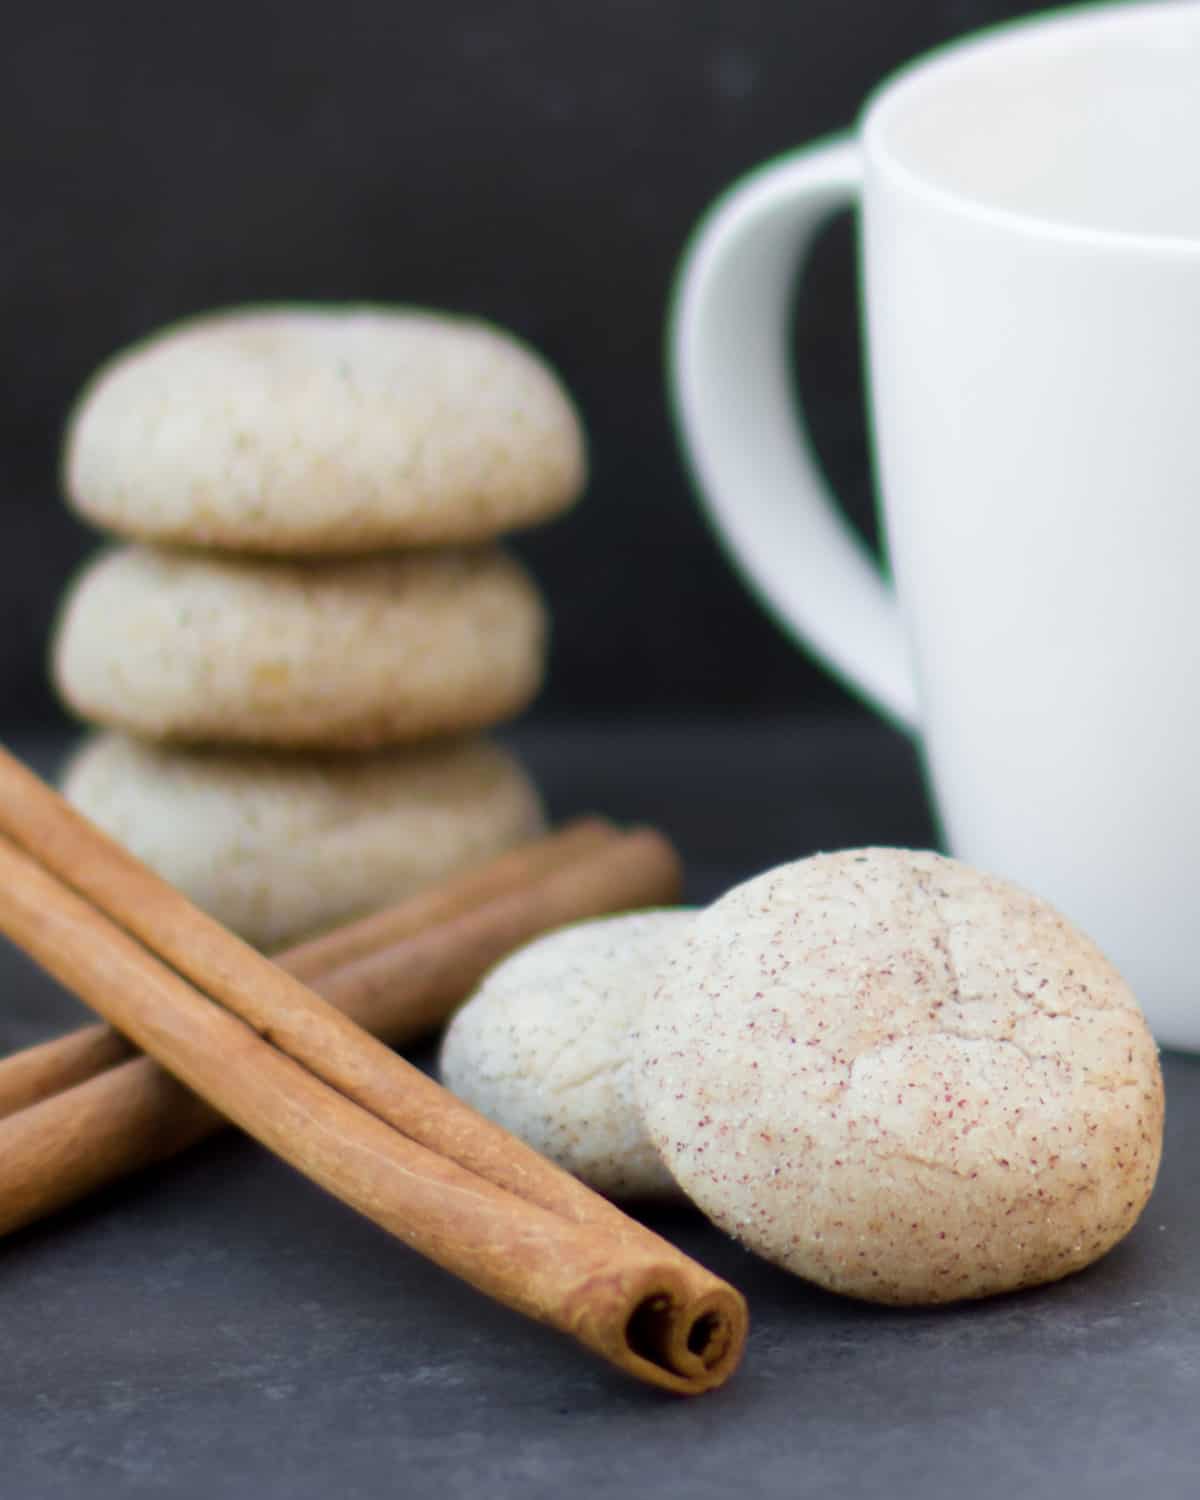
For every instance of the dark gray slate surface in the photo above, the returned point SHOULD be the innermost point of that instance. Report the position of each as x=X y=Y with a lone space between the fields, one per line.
x=221 y=1328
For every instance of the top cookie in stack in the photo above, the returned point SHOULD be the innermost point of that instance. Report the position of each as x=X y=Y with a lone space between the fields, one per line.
x=310 y=499
x=305 y=431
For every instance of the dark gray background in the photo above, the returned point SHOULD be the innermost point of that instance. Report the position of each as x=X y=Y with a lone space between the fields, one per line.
x=538 y=164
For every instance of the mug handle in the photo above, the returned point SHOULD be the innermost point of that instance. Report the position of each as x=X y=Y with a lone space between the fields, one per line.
x=751 y=458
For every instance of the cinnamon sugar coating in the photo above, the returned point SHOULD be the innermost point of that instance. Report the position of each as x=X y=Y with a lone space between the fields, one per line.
x=902 y=1079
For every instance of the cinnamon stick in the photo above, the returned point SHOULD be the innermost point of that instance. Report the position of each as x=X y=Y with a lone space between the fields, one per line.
x=505 y=875
x=304 y=1080
x=404 y=1004
x=52 y=1067
x=81 y=1138
x=76 y=1142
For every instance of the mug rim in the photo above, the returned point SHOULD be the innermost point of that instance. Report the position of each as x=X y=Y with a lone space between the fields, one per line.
x=1018 y=34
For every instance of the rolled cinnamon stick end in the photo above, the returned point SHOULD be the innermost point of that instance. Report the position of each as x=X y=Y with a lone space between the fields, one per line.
x=680 y=1328
x=627 y=1296
x=667 y=1336
x=630 y=1296
x=637 y=1311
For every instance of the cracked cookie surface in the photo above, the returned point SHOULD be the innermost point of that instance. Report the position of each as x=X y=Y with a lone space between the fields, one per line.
x=902 y=1079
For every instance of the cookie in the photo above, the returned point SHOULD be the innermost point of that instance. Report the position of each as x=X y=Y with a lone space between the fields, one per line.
x=277 y=847
x=902 y=1079
x=305 y=429
x=345 y=653
x=543 y=1048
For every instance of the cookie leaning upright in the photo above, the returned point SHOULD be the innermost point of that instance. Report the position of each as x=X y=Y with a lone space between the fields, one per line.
x=306 y=430
x=901 y=1078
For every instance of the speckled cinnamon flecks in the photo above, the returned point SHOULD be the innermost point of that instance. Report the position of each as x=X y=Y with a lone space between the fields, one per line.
x=902 y=1079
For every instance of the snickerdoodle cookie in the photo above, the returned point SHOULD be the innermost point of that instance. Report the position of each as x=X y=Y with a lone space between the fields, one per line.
x=308 y=429
x=901 y=1078
x=349 y=653
x=543 y=1048
x=278 y=846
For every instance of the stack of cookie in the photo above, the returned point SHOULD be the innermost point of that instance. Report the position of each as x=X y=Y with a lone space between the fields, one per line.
x=308 y=622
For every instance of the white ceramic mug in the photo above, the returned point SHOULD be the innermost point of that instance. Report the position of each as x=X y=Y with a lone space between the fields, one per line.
x=1030 y=231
